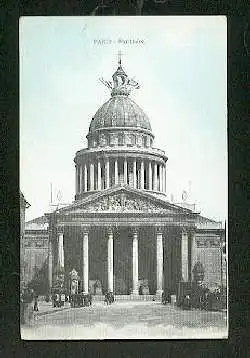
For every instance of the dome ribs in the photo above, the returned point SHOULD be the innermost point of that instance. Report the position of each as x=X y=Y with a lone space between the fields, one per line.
x=120 y=111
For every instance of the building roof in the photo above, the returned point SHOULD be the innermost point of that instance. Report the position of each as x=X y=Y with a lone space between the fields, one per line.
x=39 y=223
x=120 y=111
x=23 y=201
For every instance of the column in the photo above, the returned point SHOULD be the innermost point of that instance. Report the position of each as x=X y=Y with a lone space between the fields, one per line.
x=184 y=255
x=107 y=173
x=135 y=263
x=160 y=177
x=81 y=179
x=164 y=178
x=99 y=178
x=159 y=263
x=150 y=175
x=125 y=171
x=155 y=176
x=85 y=178
x=142 y=174
x=116 y=172
x=76 y=180
x=50 y=265
x=92 y=176
x=85 y=260
x=134 y=173
x=110 y=261
x=193 y=254
x=60 y=251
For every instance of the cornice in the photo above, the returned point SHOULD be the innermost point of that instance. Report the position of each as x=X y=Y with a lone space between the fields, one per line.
x=124 y=152
x=116 y=129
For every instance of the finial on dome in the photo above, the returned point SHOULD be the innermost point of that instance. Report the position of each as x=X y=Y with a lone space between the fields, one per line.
x=120 y=57
x=122 y=85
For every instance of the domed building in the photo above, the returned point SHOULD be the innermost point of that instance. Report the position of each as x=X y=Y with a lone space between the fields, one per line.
x=120 y=147
x=121 y=233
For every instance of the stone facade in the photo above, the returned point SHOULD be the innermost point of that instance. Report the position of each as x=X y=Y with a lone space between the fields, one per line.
x=121 y=231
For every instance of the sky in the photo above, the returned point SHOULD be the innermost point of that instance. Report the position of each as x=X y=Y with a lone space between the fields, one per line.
x=180 y=63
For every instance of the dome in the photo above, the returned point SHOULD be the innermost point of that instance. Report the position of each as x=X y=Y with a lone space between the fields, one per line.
x=120 y=111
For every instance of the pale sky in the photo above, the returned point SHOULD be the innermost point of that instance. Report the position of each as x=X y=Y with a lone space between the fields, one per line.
x=181 y=69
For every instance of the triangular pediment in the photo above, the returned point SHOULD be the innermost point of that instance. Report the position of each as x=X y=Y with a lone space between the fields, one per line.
x=123 y=200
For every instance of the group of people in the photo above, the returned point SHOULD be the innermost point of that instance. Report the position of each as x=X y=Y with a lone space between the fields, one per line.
x=81 y=300
x=28 y=304
x=59 y=299
x=201 y=298
x=109 y=298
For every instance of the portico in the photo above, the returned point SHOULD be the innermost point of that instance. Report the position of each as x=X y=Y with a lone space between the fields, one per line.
x=121 y=239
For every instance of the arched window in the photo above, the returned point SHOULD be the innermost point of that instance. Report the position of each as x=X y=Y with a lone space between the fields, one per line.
x=145 y=141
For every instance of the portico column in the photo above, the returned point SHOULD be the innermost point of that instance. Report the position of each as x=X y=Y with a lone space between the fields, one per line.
x=50 y=265
x=150 y=175
x=193 y=255
x=159 y=263
x=184 y=255
x=142 y=174
x=125 y=171
x=99 y=179
x=110 y=261
x=155 y=176
x=134 y=173
x=60 y=250
x=92 y=176
x=85 y=258
x=85 y=178
x=116 y=172
x=107 y=173
x=135 y=263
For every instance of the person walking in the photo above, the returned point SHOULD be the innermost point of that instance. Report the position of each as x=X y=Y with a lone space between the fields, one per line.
x=62 y=299
x=36 y=309
x=57 y=300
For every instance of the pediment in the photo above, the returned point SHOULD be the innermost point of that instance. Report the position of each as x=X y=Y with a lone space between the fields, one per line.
x=123 y=200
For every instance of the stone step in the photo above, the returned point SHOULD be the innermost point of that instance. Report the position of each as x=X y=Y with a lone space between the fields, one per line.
x=129 y=298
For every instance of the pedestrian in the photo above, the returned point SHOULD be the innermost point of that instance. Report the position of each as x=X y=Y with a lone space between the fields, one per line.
x=186 y=302
x=36 y=309
x=62 y=299
x=57 y=300
x=90 y=299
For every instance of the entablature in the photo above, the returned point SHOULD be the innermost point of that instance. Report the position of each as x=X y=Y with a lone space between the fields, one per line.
x=90 y=155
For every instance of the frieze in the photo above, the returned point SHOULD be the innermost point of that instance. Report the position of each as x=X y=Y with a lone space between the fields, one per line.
x=124 y=203
x=207 y=242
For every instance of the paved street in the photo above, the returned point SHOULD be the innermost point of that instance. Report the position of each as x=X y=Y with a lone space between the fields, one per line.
x=127 y=320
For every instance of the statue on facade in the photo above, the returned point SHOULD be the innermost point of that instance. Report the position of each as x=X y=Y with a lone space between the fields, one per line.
x=198 y=273
x=74 y=282
x=98 y=287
